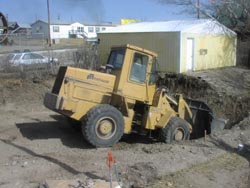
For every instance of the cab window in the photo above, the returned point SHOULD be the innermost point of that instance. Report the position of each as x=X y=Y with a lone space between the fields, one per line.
x=116 y=58
x=139 y=68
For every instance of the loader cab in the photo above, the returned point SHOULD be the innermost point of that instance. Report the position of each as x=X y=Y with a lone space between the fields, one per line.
x=134 y=69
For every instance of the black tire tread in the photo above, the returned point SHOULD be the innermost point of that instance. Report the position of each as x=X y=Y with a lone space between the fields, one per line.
x=90 y=118
x=165 y=133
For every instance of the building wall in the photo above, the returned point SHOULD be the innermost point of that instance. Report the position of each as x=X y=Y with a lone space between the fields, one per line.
x=40 y=27
x=92 y=30
x=76 y=26
x=76 y=30
x=210 y=51
x=167 y=46
x=63 y=31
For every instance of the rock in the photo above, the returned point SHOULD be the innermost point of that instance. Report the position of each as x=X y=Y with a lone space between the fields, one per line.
x=14 y=163
x=25 y=164
x=169 y=184
x=80 y=183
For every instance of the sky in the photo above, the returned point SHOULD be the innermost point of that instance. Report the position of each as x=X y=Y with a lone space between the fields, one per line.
x=89 y=11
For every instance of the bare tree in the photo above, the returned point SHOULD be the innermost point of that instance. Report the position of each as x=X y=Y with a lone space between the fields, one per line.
x=235 y=14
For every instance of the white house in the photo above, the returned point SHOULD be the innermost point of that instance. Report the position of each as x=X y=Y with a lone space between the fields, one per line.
x=59 y=29
x=88 y=31
x=91 y=30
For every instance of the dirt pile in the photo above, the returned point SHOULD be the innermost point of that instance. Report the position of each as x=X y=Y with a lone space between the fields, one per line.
x=244 y=124
x=15 y=89
x=139 y=175
x=226 y=90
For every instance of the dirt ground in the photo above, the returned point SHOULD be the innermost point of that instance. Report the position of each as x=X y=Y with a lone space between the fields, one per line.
x=38 y=145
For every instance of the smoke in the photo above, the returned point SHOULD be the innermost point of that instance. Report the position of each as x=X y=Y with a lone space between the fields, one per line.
x=24 y=11
x=93 y=8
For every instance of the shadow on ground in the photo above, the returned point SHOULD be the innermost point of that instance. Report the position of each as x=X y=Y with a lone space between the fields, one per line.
x=245 y=152
x=59 y=129
x=63 y=165
x=135 y=138
x=69 y=135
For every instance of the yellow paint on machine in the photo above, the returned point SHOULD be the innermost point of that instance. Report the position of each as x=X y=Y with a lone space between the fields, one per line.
x=83 y=89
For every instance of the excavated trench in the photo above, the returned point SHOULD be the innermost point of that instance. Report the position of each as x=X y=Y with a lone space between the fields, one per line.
x=226 y=91
x=221 y=98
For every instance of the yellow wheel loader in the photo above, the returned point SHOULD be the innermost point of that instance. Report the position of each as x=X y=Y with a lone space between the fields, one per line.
x=123 y=98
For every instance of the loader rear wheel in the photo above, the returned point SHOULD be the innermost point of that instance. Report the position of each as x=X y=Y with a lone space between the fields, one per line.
x=103 y=126
x=176 y=130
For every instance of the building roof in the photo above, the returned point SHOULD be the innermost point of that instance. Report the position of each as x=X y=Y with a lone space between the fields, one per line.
x=39 y=21
x=59 y=22
x=23 y=25
x=101 y=24
x=55 y=22
x=204 y=26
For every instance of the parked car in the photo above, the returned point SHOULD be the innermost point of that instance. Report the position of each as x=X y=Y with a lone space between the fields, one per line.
x=29 y=58
x=10 y=58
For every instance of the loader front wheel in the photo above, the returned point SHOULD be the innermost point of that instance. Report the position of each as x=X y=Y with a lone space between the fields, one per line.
x=103 y=126
x=176 y=130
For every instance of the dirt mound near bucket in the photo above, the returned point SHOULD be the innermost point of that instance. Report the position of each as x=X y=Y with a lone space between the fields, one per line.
x=225 y=90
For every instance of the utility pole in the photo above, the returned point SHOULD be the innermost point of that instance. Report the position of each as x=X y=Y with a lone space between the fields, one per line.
x=49 y=38
x=198 y=9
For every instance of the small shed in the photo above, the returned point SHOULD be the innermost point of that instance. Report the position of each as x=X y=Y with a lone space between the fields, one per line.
x=182 y=46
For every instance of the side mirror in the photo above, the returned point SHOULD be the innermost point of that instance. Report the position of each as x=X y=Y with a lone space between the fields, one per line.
x=109 y=68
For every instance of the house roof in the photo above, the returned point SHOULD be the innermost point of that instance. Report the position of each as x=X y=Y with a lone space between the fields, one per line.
x=12 y=23
x=39 y=21
x=56 y=22
x=59 y=22
x=23 y=25
x=101 y=24
x=204 y=26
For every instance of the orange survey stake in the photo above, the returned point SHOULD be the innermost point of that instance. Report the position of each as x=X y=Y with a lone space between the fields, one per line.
x=110 y=159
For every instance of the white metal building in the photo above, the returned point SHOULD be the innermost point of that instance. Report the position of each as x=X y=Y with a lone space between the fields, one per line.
x=182 y=46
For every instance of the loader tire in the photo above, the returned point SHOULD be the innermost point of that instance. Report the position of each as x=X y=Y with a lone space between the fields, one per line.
x=103 y=126
x=176 y=130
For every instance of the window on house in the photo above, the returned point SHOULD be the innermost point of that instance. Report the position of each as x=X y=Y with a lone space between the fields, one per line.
x=91 y=29
x=79 y=29
x=37 y=29
x=97 y=29
x=103 y=28
x=56 y=29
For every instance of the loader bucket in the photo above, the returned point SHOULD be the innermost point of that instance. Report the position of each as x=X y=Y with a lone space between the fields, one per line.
x=203 y=120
